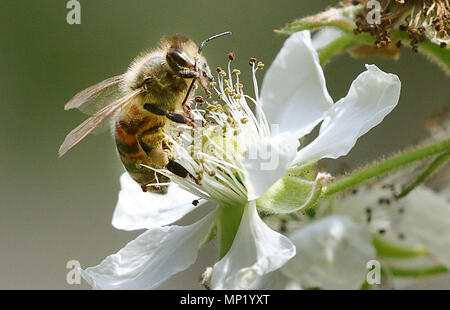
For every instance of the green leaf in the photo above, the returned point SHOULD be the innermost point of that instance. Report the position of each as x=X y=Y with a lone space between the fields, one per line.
x=386 y=249
x=415 y=272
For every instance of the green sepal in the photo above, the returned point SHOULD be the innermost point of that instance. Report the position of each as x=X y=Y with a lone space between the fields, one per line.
x=290 y=192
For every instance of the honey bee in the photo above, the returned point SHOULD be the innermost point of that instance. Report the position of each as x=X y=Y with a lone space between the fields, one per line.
x=153 y=94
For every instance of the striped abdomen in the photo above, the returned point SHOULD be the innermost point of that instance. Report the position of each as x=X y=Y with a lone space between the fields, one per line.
x=138 y=135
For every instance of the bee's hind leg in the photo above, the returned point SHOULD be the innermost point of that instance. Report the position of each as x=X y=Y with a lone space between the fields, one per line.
x=180 y=118
x=179 y=170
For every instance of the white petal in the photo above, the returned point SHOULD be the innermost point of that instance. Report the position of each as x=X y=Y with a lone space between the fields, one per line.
x=266 y=162
x=332 y=253
x=426 y=219
x=151 y=258
x=257 y=250
x=293 y=93
x=422 y=217
x=138 y=210
x=372 y=96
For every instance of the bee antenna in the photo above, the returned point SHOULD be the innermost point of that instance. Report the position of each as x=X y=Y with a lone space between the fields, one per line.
x=212 y=38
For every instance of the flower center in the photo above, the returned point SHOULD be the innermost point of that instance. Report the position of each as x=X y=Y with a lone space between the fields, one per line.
x=213 y=148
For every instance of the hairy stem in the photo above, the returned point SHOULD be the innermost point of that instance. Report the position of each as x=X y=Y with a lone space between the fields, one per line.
x=436 y=164
x=387 y=165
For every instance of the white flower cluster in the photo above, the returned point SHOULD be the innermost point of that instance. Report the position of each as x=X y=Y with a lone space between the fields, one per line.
x=239 y=167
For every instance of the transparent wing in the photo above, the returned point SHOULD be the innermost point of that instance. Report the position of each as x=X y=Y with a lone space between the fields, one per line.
x=85 y=128
x=96 y=97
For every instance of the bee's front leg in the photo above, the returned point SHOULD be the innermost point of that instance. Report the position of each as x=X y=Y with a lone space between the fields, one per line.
x=188 y=74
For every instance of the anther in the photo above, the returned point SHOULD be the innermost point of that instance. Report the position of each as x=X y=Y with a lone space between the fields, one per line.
x=252 y=61
x=231 y=56
x=260 y=65
x=199 y=99
x=236 y=72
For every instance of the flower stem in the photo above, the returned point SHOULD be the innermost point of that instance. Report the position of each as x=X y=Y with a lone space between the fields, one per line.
x=438 y=162
x=387 y=165
x=227 y=226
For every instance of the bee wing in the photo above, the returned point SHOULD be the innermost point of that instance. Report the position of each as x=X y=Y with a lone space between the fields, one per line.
x=96 y=97
x=89 y=125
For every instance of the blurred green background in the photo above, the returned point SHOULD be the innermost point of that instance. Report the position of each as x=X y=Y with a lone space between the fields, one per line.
x=54 y=210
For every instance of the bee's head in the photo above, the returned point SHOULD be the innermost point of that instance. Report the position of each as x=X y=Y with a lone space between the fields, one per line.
x=203 y=69
x=204 y=74
x=185 y=59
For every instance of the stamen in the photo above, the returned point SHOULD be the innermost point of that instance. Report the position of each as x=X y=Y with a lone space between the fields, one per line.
x=212 y=149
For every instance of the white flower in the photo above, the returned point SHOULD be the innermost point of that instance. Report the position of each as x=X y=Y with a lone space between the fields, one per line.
x=334 y=248
x=332 y=253
x=420 y=220
x=237 y=165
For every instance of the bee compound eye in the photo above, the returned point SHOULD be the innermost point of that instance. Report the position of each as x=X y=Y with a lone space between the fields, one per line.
x=178 y=59
x=148 y=80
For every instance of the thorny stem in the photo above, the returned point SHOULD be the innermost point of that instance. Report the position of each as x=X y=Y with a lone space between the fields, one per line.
x=387 y=165
x=438 y=162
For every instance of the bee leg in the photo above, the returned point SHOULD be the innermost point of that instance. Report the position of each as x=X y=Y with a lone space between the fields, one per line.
x=188 y=74
x=187 y=109
x=173 y=116
x=180 y=118
x=179 y=170
x=177 y=117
